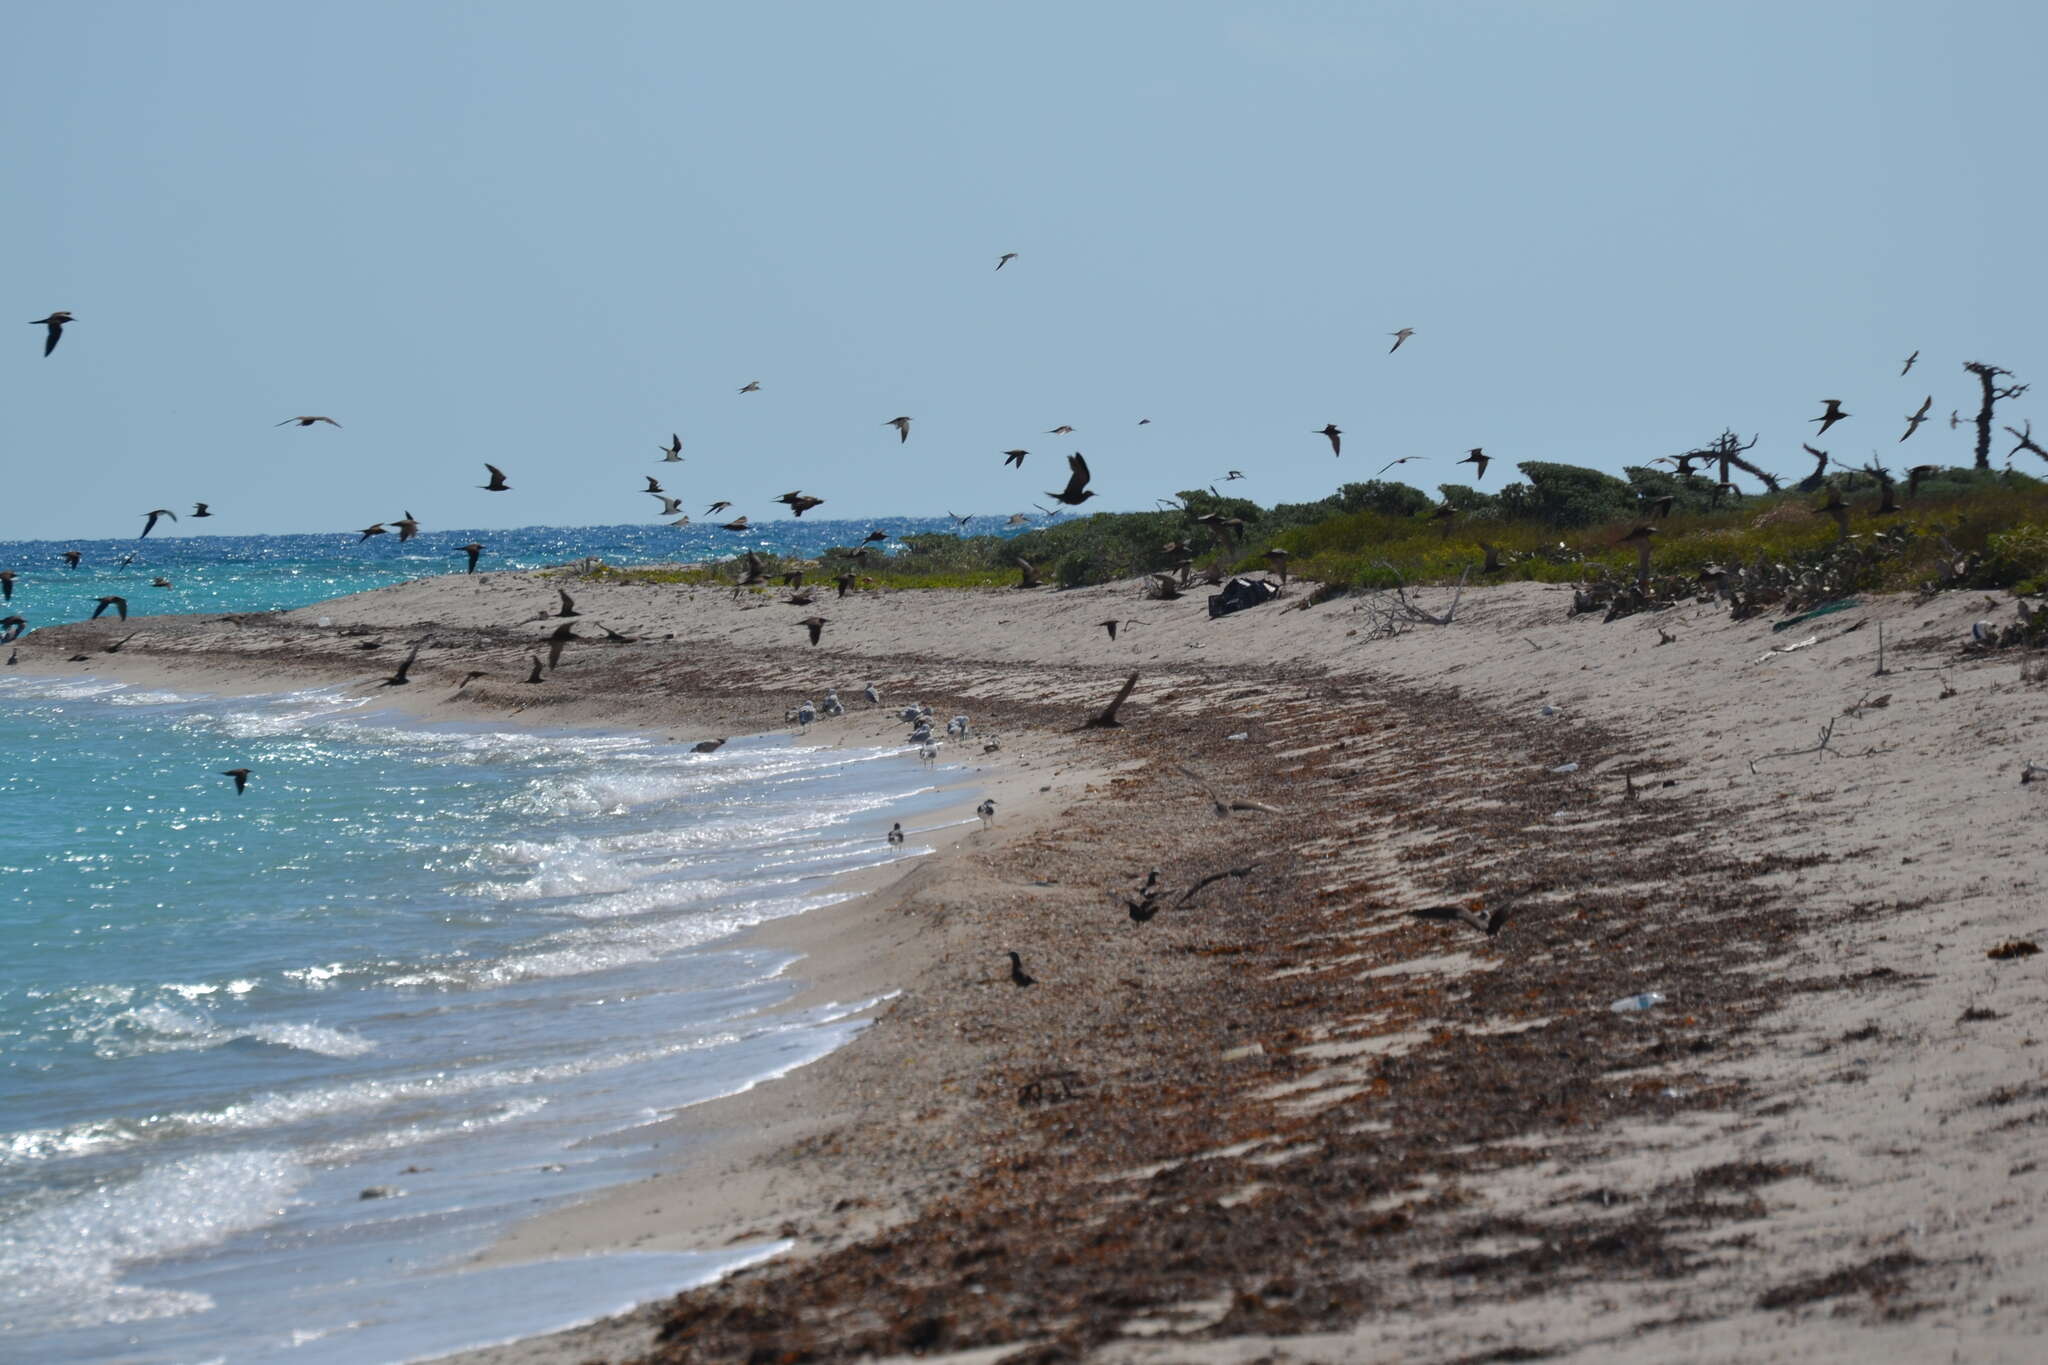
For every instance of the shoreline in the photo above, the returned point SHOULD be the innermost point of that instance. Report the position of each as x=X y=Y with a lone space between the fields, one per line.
x=1816 y=1144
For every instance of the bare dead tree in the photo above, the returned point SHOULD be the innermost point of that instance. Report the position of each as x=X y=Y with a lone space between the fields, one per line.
x=1994 y=394
x=2026 y=442
x=1727 y=451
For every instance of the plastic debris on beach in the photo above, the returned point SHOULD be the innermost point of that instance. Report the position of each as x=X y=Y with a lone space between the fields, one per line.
x=1636 y=1004
x=1566 y=768
x=1773 y=652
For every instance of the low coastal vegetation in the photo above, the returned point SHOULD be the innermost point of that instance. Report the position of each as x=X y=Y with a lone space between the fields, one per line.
x=1864 y=528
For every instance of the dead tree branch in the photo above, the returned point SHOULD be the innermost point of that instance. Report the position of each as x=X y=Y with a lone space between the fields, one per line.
x=1994 y=394
x=1827 y=737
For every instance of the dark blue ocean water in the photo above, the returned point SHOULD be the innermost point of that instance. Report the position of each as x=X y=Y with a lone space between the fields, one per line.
x=430 y=957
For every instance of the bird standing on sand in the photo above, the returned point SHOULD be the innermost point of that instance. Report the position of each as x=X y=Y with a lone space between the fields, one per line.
x=672 y=453
x=403 y=675
x=150 y=525
x=55 y=324
x=1014 y=457
x=1480 y=458
x=473 y=549
x=895 y=835
x=1832 y=415
x=497 y=483
x=308 y=421
x=1077 y=483
x=1399 y=337
x=987 y=811
x=873 y=694
x=534 y=677
x=119 y=604
x=241 y=776
x=902 y=425
x=1005 y=259
x=1336 y=435
x=1913 y=420
x=815 y=625
x=1018 y=974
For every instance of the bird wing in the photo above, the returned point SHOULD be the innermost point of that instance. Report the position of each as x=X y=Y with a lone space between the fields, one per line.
x=1921 y=415
x=496 y=472
x=1079 y=480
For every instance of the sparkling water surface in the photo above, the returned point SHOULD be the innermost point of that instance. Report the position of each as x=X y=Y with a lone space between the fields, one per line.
x=426 y=959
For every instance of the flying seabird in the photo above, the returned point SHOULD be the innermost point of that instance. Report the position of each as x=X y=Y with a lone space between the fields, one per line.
x=740 y=525
x=568 y=604
x=55 y=323
x=1061 y=430
x=614 y=637
x=1917 y=475
x=815 y=625
x=1110 y=625
x=1399 y=337
x=199 y=509
x=1005 y=259
x=150 y=525
x=1077 y=482
x=1909 y=364
x=653 y=485
x=375 y=528
x=558 y=639
x=497 y=483
x=1914 y=420
x=1336 y=435
x=1391 y=463
x=159 y=582
x=715 y=508
x=119 y=604
x=902 y=425
x=241 y=776
x=669 y=506
x=799 y=502
x=470 y=677
x=401 y=677
x=1018 y=974
x=1480 y=458
x=1014 y=457
x=672 y=453
x=71 y=558
x=1828 y=418
x=308 y=421
x=751 y=386
x=473 y=549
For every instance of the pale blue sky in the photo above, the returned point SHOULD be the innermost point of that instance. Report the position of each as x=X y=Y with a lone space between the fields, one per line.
x=548 y=235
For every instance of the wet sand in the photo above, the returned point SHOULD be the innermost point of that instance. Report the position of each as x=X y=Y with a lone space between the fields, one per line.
x=1285 y=1119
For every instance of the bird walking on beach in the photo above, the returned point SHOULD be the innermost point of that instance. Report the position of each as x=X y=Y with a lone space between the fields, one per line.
x=473 y=549
x=150 y=525
x=1828 y=418
x=751 y=386
x=987 y=811
x=307 y=421
x=1335 y=435
x=403 y=675
x=497 y=483
x=902 y=425
x=815 y=625
x=54 y=326
x=1018 y=975
x=241 y=776
x=1005 y=259
x=1478 y=457
x=119 y=604
x=895 y=835
x=1909 y=364
x=1913 y=420
x=1399 y=337
x=1075 y=493
x=672 y=453
x=534 y=677
x=1014 y=457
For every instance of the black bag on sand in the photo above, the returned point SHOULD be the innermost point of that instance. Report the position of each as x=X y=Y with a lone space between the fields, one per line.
x=1240 y=593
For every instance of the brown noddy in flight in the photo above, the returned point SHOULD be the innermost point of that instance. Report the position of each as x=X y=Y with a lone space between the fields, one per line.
x=408 y=527
x=715 y=508
x=1005 y=259
x=1828 y=418
x=1061 y=430
x=307 y=421
x=653 y=485
x=799 y=502
x=200 y=509
x=1014 y=457
x=403 y=675
x=119 y=604
x=568 y=605
x=1391 y=463
x=1335 y=434
x=559 y=640
x=672 y=453
x=815 y=625
x=150 y=525
x=497 y=483
x=241 y=776
x=873 y=536
x=902 y=425
x=1909 y=364
x=1399 y=337
x=473 y=549
x=71 y=558
x=375 y=528
x=844 y=583
x=740 y=525
x=751 y=386
x=55 y=323
x=1480 y=458
x=1075 y=492
x=1913 y=420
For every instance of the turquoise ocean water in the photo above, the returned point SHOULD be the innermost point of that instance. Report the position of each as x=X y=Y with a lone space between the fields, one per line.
x=426 y=959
